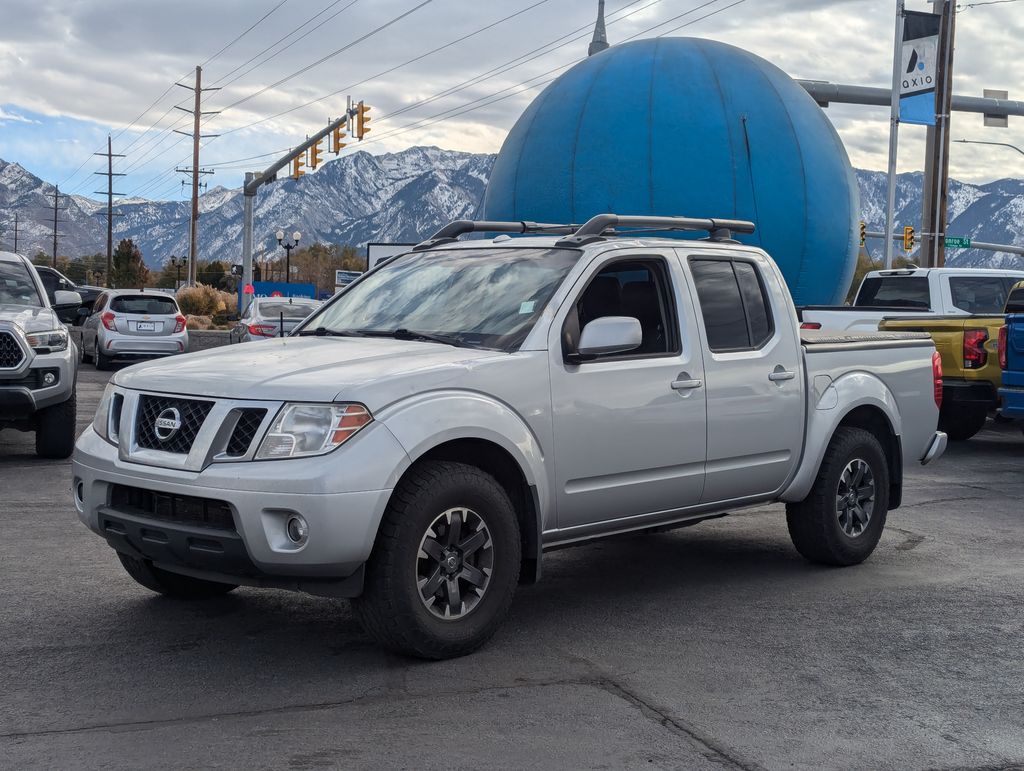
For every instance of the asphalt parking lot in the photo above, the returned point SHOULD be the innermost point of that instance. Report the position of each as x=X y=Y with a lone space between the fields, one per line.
x=712 y=646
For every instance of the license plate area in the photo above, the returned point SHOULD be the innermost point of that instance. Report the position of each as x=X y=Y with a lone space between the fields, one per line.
x=145 y=326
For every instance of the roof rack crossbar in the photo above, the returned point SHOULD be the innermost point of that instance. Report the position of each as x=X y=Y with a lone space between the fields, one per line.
x=453 y=230
x=598 y=226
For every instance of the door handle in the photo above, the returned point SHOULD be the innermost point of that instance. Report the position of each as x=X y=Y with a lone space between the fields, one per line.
x=683 y=385
x=780 y=374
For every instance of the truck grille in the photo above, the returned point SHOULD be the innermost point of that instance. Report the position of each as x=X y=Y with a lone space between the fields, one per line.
x=167 y=507
x=248 y=424
x=11 y=354
x=190 y=412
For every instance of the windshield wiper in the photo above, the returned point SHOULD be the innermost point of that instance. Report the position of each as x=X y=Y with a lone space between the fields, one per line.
x=325 y=332
x=408 y=334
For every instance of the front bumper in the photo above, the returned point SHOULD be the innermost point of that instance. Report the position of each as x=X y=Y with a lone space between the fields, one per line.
x=261 y=495
x=22 y=394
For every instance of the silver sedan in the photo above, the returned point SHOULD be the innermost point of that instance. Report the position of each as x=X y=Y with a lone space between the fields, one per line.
x=271 y=317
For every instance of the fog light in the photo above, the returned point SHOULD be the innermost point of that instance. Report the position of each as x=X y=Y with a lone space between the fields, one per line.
x=297 y=529
x=49 y=379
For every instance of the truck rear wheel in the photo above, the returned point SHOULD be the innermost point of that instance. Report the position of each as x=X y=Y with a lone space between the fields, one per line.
x=445 y=564
x=841 y=519
x=961 y=422
x=171 y=584
x=55 y=430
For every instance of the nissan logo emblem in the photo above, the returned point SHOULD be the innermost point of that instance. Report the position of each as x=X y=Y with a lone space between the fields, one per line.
x=167 y=424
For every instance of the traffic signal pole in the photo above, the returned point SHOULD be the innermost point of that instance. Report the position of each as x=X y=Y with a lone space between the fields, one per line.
x=253 y=182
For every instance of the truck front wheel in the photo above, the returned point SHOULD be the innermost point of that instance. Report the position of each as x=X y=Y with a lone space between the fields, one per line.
x=55 y=430
x=841 y=519
x=171 y=584
x=961 y=422
x=445 y=564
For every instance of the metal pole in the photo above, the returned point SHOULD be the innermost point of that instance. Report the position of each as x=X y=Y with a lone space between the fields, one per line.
x=941 y=185
x=15 y=232
x=894 y=127
x=248 y=200
x=196 y=114
x=56 y=193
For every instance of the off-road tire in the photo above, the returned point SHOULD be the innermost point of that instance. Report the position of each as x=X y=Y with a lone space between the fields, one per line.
x=390 y=607
x=172 y=584
x=961 y=422
x=56 y=430
x=814 y=523
x=101 y=361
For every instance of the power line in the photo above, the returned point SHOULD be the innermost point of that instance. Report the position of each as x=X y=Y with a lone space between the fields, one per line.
x=223 y=82
x=331 y=55
x=246 y=32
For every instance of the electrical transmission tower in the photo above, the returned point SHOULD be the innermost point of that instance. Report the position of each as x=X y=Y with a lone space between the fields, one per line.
x=56 y=209
x=109 y=192
x=195 y=171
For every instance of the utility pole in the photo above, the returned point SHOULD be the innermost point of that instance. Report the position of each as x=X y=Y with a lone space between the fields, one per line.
x=15 y=232
x=936 y=175
x=195 y=171
x=56 y=209
x=109 y=174
x=894 y=129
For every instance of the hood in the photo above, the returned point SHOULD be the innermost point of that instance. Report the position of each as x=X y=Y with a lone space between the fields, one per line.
x=29 y=319
x=374 y=371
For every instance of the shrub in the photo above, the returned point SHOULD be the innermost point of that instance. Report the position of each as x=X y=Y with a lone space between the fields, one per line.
x=198 y=322
x=203 y=300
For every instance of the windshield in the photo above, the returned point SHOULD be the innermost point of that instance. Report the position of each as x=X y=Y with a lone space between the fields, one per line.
x=294 y=310
x=487 y=298
x=154 y=306
x=17 y=286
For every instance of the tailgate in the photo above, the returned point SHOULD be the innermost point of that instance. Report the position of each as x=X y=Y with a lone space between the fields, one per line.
x=144 y=324
x=1015 y=345
x=947 y=332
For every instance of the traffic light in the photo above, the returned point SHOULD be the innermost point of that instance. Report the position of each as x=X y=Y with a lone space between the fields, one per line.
x=298 y=164
x=863 y=234
x=336 y=137
x=908 y=239
x=314 y=156
x=362 y=120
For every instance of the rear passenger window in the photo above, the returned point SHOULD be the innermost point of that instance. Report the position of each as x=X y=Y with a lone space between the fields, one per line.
x=978 y=294
x=1015 y=302
x=733 y=303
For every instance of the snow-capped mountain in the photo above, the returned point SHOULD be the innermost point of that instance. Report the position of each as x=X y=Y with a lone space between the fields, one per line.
x=404 y=197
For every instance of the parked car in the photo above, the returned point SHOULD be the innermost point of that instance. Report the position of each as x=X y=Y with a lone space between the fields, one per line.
x=38 y=363
x=271 y=317
x=420 y=441
x=915 y=292
x=1011 y=355
x=54 y=281
x=134 y=324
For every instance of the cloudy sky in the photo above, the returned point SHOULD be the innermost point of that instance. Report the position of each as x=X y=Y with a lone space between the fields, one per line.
x=454 y=73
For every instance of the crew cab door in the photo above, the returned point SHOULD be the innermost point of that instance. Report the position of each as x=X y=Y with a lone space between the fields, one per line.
x=753 y=373
x=629 y=429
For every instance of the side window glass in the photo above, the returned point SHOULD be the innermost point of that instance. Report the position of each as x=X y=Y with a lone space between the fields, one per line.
x=50 y=283
x=721 y=304
x=630 y=288
x=978 y=294
x=100 y=302
x=755 y=303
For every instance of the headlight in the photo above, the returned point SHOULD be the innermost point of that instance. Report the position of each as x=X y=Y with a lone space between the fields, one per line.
x=51 y=341
x=107 y=422
x=311 y=429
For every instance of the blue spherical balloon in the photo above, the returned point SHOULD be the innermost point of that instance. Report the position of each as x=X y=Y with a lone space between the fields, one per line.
x=684 y=126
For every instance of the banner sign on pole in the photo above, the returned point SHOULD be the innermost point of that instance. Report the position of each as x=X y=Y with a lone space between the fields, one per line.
x=920 y=56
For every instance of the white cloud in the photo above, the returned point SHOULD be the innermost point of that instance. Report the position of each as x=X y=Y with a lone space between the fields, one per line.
x=14 y=117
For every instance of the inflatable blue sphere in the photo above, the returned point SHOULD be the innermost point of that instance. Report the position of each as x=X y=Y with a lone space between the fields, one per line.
x=684 y=126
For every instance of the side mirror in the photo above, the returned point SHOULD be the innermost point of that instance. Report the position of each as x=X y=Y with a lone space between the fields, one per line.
x=610 y=334
x=63 y=300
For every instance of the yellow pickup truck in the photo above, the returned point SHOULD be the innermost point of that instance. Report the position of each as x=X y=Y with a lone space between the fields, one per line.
x=971 y=376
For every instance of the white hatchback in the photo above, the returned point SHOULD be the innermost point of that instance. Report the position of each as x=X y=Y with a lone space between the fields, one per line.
x=135 y=323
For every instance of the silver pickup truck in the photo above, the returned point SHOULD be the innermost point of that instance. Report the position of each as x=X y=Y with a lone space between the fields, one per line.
x=422 y=439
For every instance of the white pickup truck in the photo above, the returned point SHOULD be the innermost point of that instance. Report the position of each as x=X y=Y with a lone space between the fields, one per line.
x=915 y=291
x=455 y=412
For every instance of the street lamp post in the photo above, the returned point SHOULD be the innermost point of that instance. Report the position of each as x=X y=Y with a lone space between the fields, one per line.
x=177 y=263
x=996 y=144
x=288 y=252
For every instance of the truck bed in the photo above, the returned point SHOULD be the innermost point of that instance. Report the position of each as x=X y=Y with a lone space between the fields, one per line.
x=821 y=340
